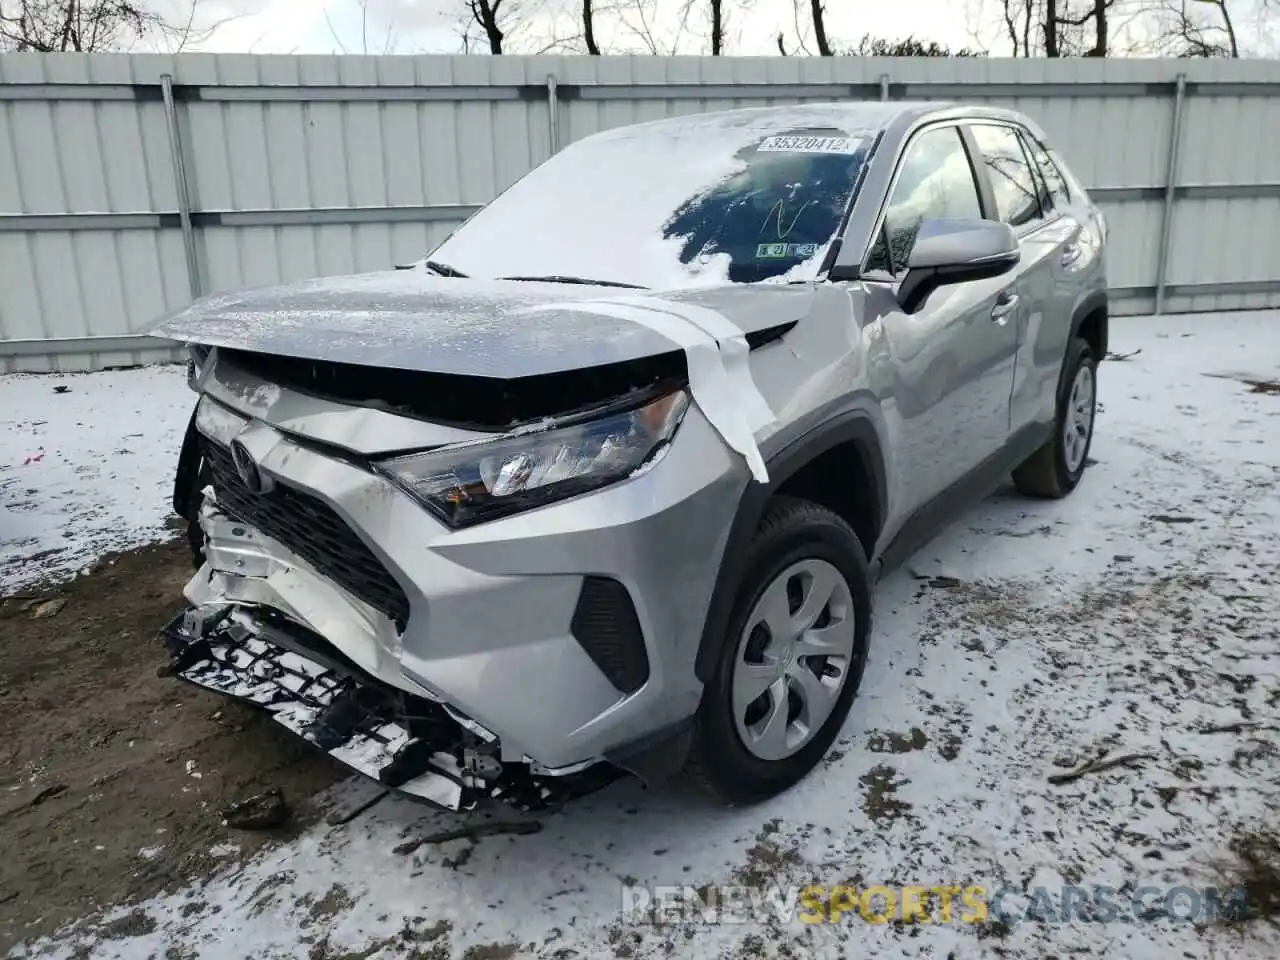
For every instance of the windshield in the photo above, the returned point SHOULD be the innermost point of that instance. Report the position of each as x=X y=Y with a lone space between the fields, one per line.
x=738 y=199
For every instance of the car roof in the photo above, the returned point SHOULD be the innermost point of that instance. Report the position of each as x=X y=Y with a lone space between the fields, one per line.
x=853 y=117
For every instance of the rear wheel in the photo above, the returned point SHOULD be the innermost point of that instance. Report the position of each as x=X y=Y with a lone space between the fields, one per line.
x=792 y=659
x=1056 y=468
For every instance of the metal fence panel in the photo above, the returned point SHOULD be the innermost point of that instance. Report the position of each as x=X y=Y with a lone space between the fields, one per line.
x=128 y=182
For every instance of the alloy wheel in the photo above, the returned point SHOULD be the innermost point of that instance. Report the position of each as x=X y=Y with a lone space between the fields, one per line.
x=792 y=659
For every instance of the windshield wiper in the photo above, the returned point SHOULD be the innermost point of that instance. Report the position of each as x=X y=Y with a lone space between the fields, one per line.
x=584 y=280
x=444 y=269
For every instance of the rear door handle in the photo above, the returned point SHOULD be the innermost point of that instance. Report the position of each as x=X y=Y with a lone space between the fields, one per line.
x=1005 y=304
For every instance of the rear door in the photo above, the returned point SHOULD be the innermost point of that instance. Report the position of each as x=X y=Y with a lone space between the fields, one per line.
x=947 y=405
x=1022 y=198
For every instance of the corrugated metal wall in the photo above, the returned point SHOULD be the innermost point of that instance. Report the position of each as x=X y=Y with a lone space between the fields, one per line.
x=301 y=166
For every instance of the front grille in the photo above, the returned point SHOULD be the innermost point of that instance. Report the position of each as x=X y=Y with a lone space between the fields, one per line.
x=312 y=530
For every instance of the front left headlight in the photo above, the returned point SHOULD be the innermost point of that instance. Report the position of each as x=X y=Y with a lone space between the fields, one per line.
x=474 y=482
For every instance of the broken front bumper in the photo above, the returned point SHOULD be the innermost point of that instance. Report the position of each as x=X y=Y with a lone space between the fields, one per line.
x=410 y=744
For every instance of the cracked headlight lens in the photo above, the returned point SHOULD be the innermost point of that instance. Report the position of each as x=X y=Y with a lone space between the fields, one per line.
x=474 y=482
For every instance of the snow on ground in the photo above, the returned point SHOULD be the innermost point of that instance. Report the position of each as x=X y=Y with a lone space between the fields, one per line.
x=86 y=466
x=1136 y=617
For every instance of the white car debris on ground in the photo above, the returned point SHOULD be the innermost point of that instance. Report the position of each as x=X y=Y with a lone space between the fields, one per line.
x=1135 y=621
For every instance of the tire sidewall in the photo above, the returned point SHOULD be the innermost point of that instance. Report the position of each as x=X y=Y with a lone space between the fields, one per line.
x=195 y=533
x=1078 y=354
x=816 y=535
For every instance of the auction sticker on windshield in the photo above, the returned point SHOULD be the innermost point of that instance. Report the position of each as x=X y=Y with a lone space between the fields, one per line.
x=784 y=143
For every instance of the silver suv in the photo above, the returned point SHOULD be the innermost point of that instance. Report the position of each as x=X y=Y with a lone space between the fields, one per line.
x=604 y=483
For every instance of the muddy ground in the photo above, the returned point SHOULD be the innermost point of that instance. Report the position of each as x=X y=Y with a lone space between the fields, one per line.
x=114 y=778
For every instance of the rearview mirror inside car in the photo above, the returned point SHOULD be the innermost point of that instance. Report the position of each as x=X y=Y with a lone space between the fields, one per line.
x=955 y=251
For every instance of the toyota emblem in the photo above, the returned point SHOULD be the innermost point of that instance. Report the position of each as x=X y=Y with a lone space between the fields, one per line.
x=247 y=469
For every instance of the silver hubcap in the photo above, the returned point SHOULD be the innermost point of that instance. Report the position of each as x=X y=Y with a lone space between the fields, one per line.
x=1079 y=422
x=792 y=659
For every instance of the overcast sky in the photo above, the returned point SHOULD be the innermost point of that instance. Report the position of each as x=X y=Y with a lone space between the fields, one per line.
x=434 y=26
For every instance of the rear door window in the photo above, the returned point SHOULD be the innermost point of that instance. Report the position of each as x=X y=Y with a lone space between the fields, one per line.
x=1007 y=168
x=1057 y=195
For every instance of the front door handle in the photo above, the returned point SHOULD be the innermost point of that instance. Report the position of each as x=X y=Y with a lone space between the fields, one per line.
x=1005 y=304
x=1070 y=255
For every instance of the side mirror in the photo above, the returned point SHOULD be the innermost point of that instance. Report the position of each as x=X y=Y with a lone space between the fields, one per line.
x=955 y=251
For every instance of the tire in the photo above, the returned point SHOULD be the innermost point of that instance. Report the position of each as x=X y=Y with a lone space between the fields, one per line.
x=799 y=548
x=195 y=535
x=1055 y=469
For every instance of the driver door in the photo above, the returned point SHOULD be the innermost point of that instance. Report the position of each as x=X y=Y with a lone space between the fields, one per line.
x=953 y=360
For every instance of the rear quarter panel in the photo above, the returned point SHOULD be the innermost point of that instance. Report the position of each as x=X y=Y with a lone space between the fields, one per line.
x=1074 y=290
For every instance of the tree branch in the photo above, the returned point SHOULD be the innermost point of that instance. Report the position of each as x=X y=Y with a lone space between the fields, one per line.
x=1227 y=25
x=589 y=28
x=820 y=27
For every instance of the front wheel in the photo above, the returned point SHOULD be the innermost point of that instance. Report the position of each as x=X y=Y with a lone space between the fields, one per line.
x=195 y=533
x=792 y=659
x=1056 y=468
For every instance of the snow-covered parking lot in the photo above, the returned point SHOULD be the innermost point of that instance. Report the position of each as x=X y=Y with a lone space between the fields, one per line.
x=1139 y=619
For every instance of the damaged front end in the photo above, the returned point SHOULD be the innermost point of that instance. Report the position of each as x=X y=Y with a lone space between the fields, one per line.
x=280 y=573
x=468 y=568
x=414 y=745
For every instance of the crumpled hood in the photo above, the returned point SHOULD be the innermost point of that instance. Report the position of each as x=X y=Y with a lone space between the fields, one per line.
x=415 y=320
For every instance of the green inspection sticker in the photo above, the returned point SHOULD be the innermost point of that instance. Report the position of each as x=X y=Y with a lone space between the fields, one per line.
x=771 y=251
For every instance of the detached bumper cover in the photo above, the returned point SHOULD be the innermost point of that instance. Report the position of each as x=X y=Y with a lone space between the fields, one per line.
x=410 y=744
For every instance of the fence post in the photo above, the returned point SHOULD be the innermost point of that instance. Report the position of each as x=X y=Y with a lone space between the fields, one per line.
x=884 y=86
x=553 y=114
x=1170 y=188
x=180 y=181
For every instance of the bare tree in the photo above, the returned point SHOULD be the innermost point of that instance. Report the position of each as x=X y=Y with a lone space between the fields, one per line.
x=1050 y=28
x=589 y=28
x=388 y=44
x=1104 y=28
x=716 y=14
x=486 y=15
x=87 y=26
x=1097 y=12
x=1060 y=28
x=640 y=19
x=1193 y=28
x=908 y=46
x=1232 y=45
x=549 y=38
x=801 y=25
x=1099 y=28
x=819 y=14
x=641 y=26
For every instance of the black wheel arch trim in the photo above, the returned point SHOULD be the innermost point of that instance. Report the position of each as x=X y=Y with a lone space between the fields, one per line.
x=1093 y=302
x=851 y=427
